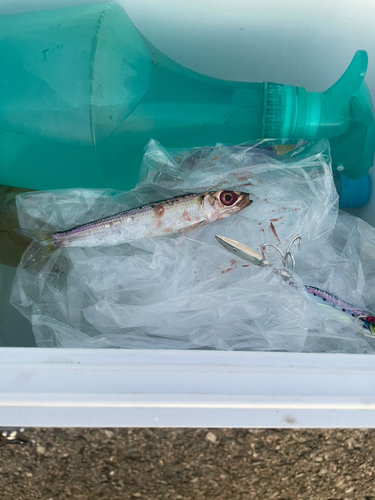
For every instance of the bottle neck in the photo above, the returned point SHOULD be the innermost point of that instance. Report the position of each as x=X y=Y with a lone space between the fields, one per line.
x=291 y=111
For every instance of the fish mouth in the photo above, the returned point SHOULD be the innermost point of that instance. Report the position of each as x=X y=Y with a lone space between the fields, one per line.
x=244 y=201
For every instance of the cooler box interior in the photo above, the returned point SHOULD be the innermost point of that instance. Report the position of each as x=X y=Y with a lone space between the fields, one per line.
x=304 y=44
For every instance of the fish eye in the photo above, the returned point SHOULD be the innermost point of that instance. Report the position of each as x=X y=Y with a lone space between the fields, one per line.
x=228 y=198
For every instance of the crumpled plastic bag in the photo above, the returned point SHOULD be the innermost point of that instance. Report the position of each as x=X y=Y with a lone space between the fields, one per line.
x=186 y=292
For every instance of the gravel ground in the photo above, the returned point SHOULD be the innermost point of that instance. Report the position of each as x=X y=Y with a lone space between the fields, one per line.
x=225 y=464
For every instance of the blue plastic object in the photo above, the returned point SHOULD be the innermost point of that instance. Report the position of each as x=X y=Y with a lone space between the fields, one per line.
x=353 y=193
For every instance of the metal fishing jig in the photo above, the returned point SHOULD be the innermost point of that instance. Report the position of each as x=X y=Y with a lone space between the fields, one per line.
x=367 y=319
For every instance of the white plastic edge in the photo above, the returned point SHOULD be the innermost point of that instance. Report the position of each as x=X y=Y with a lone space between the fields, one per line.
x=119 y=388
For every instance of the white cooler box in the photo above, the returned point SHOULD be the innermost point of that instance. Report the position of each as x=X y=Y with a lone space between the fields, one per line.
x=308 y=44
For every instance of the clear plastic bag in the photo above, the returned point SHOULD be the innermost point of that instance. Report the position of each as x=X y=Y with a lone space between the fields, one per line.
x=187 y=292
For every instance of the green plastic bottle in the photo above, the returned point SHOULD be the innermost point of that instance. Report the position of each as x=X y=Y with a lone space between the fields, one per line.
x=82 y=93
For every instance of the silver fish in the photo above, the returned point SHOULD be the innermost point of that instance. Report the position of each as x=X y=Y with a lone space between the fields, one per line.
x=157 y=219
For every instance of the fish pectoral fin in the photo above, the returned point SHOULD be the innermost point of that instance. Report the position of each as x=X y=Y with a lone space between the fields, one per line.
x=189 y=229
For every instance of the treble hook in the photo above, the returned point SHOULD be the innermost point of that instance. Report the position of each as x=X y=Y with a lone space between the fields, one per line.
x=287 y=254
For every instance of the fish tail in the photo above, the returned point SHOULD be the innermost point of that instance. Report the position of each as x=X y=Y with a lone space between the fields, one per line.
x=45 y=240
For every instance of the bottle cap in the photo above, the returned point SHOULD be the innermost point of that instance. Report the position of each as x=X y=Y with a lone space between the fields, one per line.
x=353 y=193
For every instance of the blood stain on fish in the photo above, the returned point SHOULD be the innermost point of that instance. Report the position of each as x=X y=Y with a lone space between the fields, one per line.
x=216 y=157
x=274 y=232
x=247 y=265
x=233 y=262
x=186 y=216
x=159 y=210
